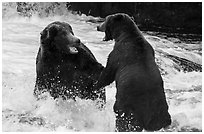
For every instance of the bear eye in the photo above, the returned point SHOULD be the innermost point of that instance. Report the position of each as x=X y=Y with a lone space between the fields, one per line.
x=64 y=33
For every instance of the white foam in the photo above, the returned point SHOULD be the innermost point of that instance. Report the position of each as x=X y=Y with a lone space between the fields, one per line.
x=20 y=42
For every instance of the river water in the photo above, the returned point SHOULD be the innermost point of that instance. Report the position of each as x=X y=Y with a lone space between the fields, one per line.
x=22 y=112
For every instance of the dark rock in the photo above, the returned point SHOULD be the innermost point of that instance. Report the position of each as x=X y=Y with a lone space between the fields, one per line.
x=186 y=65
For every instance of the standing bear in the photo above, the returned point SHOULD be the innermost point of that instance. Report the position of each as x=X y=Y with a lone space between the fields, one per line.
x=66 y=67
x=140 y=98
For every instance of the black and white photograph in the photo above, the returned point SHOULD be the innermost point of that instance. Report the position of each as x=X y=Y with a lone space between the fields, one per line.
x=101 y=66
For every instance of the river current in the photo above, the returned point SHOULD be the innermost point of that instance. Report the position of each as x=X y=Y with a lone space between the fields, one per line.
x=22 y=112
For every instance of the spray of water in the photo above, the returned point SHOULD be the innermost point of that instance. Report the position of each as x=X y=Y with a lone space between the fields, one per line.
x=21 y=111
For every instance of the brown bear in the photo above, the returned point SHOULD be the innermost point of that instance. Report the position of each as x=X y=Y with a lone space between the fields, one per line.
x=140 y=98
x=66 y=67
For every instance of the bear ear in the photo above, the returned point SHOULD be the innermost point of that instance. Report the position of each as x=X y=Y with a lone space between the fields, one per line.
x=44 y=36
x=48 y=34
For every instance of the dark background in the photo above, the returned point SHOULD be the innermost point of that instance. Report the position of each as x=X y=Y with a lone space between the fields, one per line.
x=161 y=16
x=176 y=17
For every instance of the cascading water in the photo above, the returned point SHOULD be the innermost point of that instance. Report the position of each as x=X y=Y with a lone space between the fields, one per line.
x=22 y=112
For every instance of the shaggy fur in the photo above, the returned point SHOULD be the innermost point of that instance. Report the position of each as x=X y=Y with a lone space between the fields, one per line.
x=66 y=67
x=140 y=98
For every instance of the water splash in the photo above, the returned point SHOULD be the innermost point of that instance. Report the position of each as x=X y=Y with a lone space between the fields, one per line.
x=22 y=112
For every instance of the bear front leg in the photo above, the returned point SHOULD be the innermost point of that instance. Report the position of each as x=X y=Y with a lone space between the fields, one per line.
x=107 y=76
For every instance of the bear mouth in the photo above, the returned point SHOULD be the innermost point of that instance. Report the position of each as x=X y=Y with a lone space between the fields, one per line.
x=73 y=50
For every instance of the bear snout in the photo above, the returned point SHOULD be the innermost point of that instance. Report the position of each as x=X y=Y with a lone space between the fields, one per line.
x=98 y=28
x=101 y=27
x=74 y=40
x=77 y=40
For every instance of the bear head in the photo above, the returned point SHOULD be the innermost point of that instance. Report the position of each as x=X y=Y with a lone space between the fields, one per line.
x=59 y=37
x=115 y=24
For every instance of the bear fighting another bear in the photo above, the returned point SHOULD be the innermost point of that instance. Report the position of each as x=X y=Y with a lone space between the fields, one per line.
x=66 y=67
x=140 y=98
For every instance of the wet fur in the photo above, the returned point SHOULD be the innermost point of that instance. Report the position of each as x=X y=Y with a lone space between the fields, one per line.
x=62 y=73
x=140 y=97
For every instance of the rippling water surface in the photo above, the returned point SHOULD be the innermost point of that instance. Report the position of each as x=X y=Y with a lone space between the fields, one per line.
x=22 y=112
